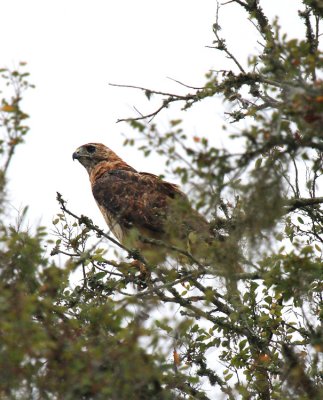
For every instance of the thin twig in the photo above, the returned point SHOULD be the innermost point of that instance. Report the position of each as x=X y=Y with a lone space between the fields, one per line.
x=89 y=224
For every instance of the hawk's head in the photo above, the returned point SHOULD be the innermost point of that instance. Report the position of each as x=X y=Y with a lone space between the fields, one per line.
x=91 y=154
x=97 y=159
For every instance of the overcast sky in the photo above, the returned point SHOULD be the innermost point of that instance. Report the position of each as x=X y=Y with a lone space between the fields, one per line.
x=74 y=48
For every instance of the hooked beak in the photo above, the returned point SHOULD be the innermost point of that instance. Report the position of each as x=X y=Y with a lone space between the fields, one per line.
x=75 y=155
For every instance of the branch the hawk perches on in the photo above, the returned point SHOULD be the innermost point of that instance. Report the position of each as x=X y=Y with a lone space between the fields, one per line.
x=138 y=205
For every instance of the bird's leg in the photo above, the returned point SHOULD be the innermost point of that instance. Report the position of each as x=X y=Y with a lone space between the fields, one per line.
x=144 y=275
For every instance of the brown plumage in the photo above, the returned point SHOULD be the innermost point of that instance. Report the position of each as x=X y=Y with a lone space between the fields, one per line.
x=139 y=204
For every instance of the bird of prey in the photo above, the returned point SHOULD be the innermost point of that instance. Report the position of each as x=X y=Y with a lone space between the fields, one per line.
x=138 y=205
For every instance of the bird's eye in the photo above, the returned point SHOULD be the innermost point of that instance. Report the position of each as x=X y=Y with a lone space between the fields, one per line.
x=90 y=149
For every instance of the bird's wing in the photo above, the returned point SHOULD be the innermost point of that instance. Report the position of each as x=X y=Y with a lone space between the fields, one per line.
x=135 y=199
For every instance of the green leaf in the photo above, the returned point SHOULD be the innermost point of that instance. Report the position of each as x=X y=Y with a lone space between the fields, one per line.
x=163 y=326
x=175 y=122
x=258 y=163
x=100 y=275
x=228 y=377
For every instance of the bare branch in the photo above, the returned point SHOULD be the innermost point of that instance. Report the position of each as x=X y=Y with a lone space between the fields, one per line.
x=169 y=98
x=221 y=42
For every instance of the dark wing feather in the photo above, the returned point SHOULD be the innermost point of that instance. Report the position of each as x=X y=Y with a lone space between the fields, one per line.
x=139 y=200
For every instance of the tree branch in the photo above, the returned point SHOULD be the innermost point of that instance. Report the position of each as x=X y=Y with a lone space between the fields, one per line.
x=169 y=98
x=100 y=233
x=294 y=204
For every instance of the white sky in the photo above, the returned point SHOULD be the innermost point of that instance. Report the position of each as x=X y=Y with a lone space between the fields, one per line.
x=74 y=48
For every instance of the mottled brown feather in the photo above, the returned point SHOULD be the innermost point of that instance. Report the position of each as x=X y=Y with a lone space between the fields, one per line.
x=136 y=199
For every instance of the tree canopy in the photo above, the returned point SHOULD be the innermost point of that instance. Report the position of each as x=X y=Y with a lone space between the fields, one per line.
x=247 y=324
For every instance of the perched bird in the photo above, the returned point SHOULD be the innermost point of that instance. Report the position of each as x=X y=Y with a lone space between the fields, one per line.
x=138 y=205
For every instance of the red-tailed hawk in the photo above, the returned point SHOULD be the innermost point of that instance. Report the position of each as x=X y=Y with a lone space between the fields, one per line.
x=139 y=204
